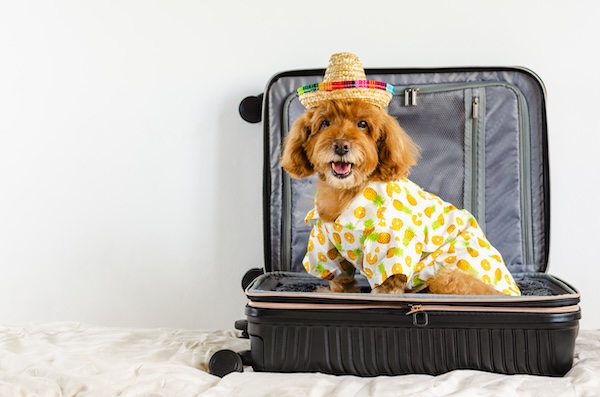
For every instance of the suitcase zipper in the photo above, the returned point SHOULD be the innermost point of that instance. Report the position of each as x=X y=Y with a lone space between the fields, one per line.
x=411 y=308
x=419 y=308
x=475 y=137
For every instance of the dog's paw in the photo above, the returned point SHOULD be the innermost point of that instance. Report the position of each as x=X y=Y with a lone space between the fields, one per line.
x=395 y=284
x=336 y=286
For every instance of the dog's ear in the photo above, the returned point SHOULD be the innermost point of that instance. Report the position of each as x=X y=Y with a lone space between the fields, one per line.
x=294 y=159
x=397 y=151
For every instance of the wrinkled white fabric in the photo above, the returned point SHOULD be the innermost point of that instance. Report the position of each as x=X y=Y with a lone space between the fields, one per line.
x=71 y=359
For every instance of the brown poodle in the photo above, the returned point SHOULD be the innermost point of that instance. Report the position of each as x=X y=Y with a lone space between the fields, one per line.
x=362 y=155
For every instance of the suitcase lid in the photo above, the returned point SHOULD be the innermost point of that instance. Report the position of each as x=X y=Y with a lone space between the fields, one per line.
x=483 y=138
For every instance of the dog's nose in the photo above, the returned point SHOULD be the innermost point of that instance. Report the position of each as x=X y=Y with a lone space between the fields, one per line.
x=341 y=147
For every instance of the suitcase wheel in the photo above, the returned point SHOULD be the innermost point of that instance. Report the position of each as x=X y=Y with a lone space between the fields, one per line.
x=251 y=108
x=225 y=362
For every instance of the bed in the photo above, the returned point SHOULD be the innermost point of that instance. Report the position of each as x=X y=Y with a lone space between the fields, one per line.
x=74 y=359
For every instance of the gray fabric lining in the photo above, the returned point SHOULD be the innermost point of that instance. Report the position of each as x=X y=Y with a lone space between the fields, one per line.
x=529 y=284
x=440 y=124
x=503 y=177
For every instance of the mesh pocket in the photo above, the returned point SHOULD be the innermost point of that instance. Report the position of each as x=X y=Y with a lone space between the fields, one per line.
x=437 y=125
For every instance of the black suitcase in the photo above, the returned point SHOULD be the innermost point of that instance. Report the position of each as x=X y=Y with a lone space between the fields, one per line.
x=483 y=138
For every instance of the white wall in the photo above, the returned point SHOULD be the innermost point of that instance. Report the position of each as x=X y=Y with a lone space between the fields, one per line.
x=130 y=189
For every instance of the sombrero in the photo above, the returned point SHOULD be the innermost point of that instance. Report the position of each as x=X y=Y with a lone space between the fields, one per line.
x=345 y=79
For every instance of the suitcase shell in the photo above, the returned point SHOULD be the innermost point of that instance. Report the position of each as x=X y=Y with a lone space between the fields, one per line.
x=483 y=139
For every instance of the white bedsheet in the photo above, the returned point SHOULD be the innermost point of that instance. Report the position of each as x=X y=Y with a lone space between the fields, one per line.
x=71 y=359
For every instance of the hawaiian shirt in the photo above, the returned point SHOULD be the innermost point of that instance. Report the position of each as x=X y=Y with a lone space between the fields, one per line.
x=398 y=228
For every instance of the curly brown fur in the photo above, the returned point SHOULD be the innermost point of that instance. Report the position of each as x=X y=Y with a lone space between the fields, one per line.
x=456 y=282
x=395 y=284
x=347 y=134
x=347 y=144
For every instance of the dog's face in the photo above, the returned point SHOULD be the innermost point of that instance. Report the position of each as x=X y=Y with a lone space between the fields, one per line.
x=348 y=143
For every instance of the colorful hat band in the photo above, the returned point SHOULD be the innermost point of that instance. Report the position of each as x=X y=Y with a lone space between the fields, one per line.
x=341 y=85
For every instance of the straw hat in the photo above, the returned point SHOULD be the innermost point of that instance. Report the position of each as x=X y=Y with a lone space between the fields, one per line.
x=345 y=79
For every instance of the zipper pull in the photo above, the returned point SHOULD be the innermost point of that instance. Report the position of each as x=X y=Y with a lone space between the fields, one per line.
x=410 y=96
x=413 y=97
x=475 y=107
x=407 y=95
x=415 y=309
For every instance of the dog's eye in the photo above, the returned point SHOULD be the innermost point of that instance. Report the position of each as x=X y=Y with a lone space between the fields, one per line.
x=363 y=125
x=325 y=124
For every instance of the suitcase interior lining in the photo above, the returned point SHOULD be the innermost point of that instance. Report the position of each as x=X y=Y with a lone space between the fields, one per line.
x=530 y=284
x=444 y=108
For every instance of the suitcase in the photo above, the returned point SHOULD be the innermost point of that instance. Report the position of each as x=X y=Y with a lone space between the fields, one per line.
x=483 y=138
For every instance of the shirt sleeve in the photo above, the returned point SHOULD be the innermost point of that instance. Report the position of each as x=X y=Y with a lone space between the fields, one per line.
x=323 y=259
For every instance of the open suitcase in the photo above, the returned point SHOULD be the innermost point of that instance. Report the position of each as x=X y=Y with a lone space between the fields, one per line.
x=483 y=139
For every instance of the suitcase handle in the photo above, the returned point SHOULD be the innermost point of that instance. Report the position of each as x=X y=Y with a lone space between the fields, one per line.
x=250 y=276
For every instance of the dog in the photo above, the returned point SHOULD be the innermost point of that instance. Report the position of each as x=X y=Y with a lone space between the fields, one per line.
x=369 y=216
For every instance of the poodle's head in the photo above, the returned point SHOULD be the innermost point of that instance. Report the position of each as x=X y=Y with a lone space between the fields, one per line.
x=348 y=143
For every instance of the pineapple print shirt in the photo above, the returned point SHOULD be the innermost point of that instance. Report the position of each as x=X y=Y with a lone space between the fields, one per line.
x=398 y=228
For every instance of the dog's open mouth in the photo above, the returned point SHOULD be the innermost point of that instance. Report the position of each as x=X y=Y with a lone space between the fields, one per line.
x=340 y=169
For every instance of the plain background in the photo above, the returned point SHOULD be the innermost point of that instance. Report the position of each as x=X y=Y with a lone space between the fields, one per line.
x=130 y=188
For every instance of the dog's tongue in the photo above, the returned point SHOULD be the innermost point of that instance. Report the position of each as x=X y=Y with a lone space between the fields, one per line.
x=341 y=168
